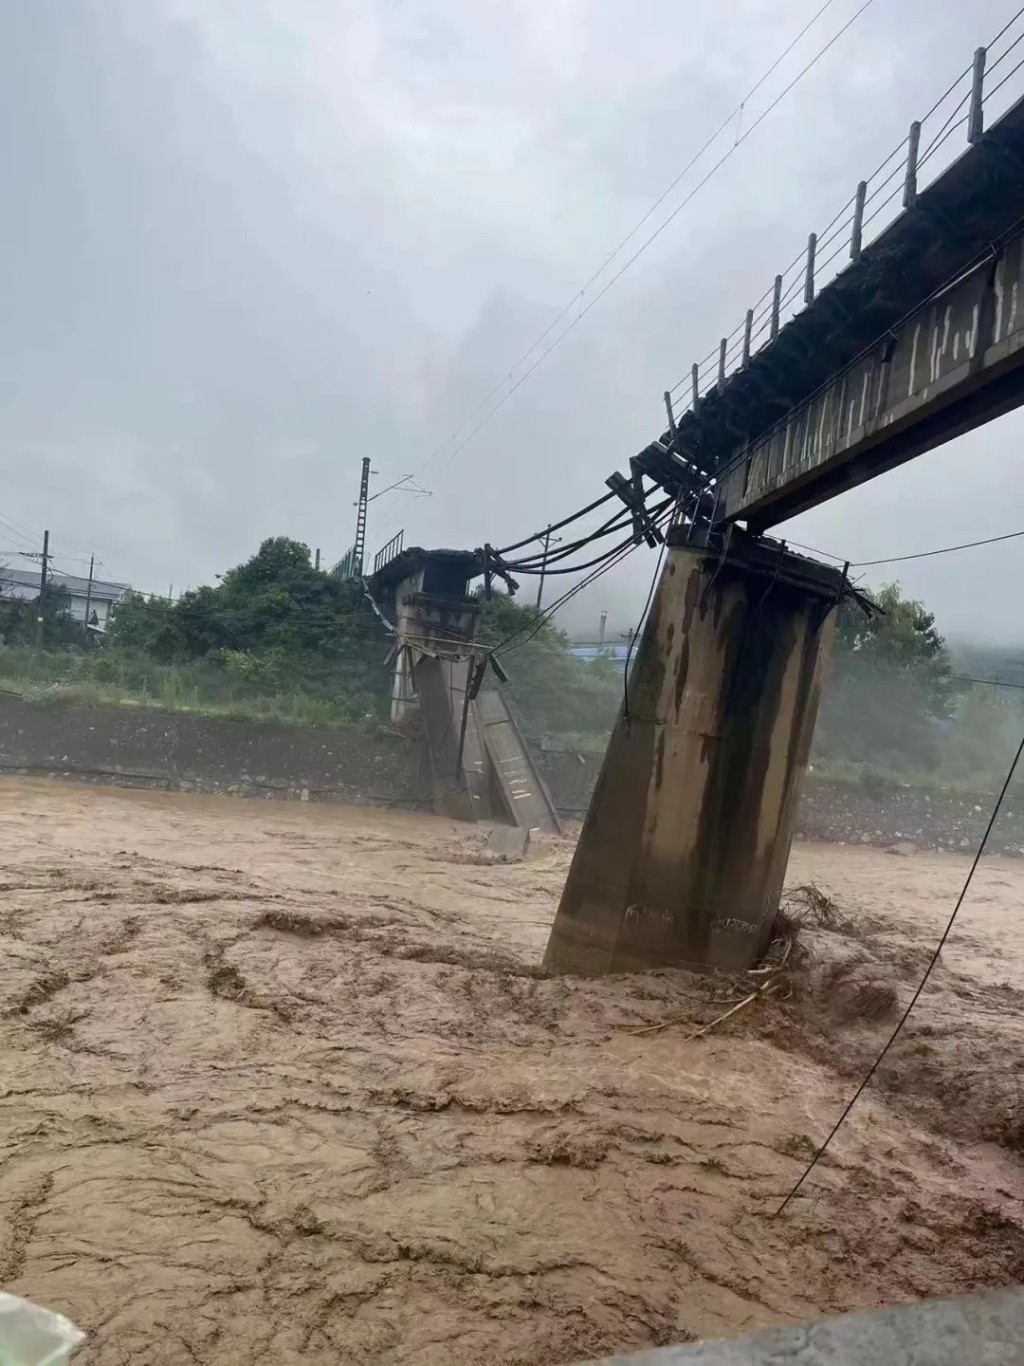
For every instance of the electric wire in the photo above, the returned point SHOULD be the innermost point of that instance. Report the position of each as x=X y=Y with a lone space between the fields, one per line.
x=637 y=254
x=942 y=550
x=557 y=526
x=940 y=137
x=614 y=558
x=919 y=555
x=578 y=295
x=920 y=988
x=640 y=626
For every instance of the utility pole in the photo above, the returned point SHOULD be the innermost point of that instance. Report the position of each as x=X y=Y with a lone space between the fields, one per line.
x=358 y=550
x=543 y=565
x=43 y=566
x=601 y=628
x=88 y=593
x=316 y=563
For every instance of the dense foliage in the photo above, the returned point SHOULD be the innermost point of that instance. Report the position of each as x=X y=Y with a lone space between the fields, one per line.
x=277 y=639
x=889 y=687
x=274 y=624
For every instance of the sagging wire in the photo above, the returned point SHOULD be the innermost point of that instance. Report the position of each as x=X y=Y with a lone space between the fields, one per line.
x=920 y=988
x=613 y=558
x=557 y=526
x=541 y=562
x=633 y=638
x=534 y=564
x=939 y=138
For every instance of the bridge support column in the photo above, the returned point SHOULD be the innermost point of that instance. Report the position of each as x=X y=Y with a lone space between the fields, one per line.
x=684 y=848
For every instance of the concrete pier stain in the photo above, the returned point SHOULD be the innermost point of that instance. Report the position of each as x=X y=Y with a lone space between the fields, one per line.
x=689 y=827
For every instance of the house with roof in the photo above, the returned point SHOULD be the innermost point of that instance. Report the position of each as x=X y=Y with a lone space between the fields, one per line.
x=100 y=597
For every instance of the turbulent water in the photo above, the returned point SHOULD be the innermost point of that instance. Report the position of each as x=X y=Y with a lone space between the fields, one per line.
x=284 y=1083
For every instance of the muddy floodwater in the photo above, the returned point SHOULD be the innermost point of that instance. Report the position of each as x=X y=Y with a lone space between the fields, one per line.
x=285 y=1084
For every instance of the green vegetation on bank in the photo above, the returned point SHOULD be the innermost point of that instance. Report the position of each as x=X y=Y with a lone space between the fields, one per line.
x=277 y=640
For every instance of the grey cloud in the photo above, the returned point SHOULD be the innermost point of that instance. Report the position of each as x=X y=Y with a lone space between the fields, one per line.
x=249 y=243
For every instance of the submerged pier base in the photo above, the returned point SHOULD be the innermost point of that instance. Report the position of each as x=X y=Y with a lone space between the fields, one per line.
x=685 y=844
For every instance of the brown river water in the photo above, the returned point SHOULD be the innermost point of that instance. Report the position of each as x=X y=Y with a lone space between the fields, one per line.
x=283 y=1083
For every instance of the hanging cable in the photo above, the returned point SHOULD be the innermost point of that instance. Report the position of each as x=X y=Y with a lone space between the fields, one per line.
x=920 y=555
x=535 y=563
x=639 y=627
x=557 y=526
x=614 y=558
x=541 y=564
x=944 y=550
x=914 y=999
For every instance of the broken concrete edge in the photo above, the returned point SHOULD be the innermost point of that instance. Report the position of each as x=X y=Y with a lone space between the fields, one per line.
x=972 y=1328
x=509 y=842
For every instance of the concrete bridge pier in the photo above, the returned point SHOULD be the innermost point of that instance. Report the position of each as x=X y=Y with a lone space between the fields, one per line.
x=684 y=848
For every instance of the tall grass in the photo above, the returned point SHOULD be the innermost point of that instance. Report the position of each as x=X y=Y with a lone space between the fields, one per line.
x=110 y=678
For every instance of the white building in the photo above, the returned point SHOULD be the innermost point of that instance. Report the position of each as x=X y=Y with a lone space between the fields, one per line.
x=23 y=586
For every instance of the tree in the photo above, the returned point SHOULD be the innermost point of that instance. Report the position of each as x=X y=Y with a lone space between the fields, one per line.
x=273 y=623
x=889 y=687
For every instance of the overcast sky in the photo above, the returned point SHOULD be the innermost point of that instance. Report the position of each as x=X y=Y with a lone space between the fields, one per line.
x=246 y=242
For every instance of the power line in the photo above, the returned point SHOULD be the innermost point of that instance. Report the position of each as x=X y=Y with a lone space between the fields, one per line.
x=719 y=473
x=639 y=627
x=943 y=550
x=578 y=295
x=613 y=558
x=989 y=682
x=902 y=559
x=557 y=526
x=660 y=229
x=913 y=1000
x=26 y=538
x=540 y=563
x=643 y=247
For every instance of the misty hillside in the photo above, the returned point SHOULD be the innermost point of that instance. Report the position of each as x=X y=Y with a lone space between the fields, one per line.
x=1001 y=663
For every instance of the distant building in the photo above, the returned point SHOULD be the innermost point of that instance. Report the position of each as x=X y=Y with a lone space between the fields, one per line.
x=617 y=653
x=22 y=585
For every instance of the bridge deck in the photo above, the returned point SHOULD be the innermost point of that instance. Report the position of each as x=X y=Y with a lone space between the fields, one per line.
x=794 y=429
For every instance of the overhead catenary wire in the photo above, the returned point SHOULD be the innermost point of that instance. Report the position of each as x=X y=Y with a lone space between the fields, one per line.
x=640 y=250
x=918 y=555
x=582 y=313
x=920 y=988
x=579 y=293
